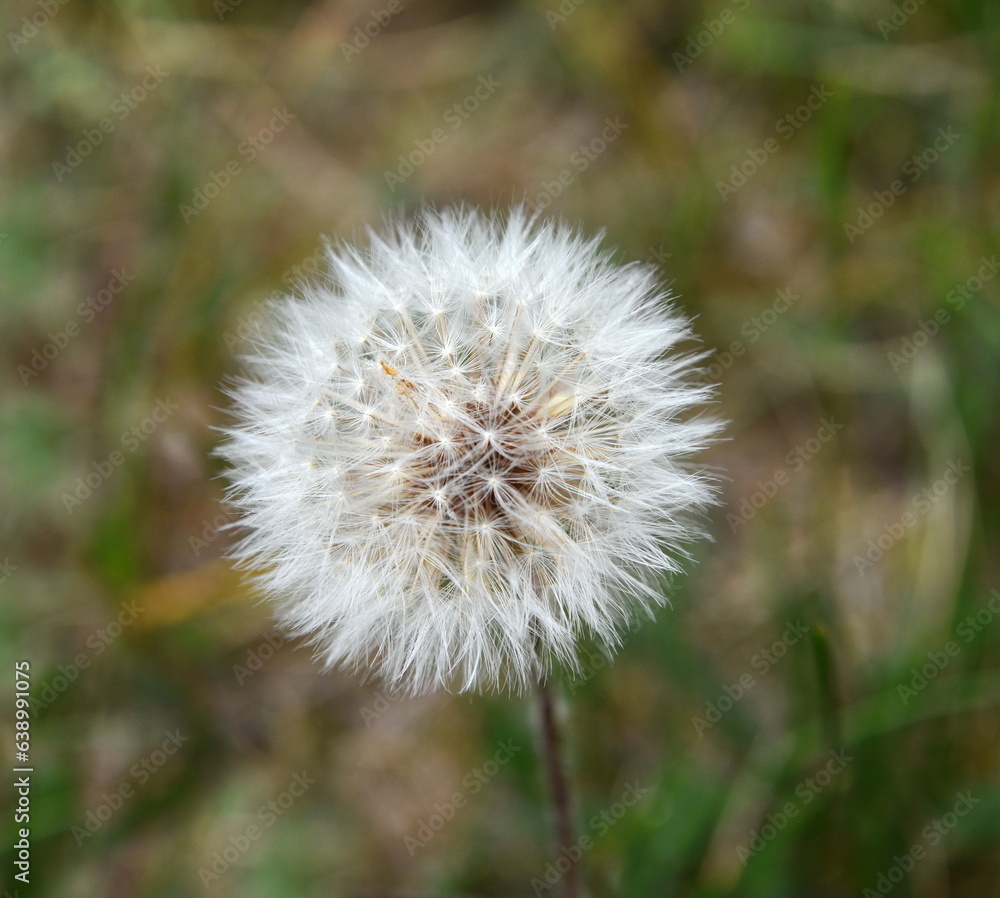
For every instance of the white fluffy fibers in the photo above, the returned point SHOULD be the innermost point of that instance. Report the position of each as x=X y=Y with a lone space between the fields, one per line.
x=465 y=448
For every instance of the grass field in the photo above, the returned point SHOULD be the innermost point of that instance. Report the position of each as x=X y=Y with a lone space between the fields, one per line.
x=818 y=712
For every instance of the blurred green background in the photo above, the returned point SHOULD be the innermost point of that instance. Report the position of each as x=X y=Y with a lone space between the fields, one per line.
x=817 y=714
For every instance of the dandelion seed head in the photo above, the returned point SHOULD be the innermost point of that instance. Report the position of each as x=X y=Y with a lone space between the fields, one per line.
x=465 y=449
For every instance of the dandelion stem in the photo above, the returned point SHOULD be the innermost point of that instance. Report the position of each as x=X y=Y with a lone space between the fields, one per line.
x=559 y=794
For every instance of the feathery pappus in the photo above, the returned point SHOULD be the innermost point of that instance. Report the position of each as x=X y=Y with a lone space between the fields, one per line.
x=467 y=446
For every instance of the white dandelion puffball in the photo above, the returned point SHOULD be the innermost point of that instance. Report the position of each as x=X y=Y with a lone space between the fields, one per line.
x=465 y=448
